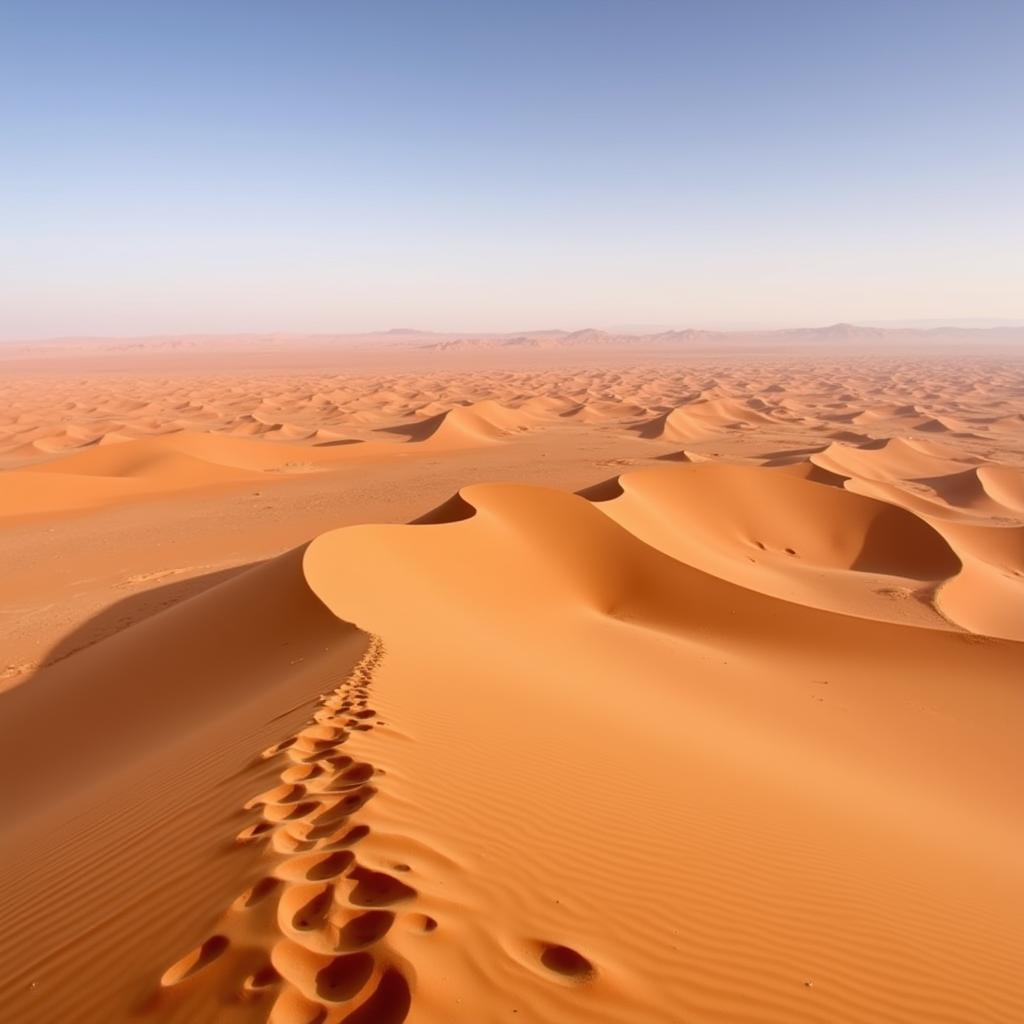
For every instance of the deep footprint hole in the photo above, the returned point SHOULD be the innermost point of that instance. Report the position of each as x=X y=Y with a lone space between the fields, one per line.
x=344 y=977
x=331 y=867
x=376 y=889
x=195 y=961
x=567 y=962
x=312 y=914
x=366 y=929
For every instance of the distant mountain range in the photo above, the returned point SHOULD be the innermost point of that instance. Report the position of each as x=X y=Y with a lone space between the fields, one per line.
x=840 y=334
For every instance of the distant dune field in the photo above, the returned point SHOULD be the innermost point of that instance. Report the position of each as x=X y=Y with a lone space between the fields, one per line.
x=549 y=677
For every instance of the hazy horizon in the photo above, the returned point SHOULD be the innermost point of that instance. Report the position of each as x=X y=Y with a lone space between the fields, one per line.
x=743 y=166
x=637 y=330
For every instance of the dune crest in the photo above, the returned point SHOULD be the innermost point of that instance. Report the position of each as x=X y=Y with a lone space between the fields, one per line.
x=467 y=426
x=574 y=580
x=789 y=536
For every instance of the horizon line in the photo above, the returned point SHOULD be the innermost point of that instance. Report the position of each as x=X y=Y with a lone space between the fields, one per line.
x=636 y=330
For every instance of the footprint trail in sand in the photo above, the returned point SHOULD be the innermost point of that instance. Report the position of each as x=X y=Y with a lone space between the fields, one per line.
x=309 y=939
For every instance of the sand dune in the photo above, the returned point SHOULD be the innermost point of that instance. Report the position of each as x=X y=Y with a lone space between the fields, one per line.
x=158 y=457
x=966 y=490
x=792 y=537
x=705 y=419
x=143 y=467
x=986 y=597
x=572 y=580
x=893 y=459
x=469 y=426
x=147 y=732
x=1003 y=485
x=730 y=734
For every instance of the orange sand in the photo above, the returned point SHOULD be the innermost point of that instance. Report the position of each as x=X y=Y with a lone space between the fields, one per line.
x=731 y=734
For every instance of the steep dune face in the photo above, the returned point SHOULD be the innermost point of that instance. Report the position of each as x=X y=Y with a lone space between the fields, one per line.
x=705 y=419
x=720 y=505
x=988 y=595
x=895 y=459
x=963 y=490
x=791 y=537
x=131 y=757
x=1003 y=485
x=467 y=426
x=987 y=537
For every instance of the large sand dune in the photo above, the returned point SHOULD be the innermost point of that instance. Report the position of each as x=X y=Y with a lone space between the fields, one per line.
x=732 y=734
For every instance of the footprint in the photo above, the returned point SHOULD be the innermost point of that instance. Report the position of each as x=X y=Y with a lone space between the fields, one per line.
x=342 y=839
x=290 y=840
x=277 y=748
x=301 y=772
x=195 y=961
x=320 y=976
x=252 y=832
x=389 y=1004
x=321 y=734
x=421 y=923
x=305 y=908
x=293 y=1008
x=260 y=980
x=566 y=961
x=359 y=772
x=352 y=777
x=316 y=867
x=338 y=762
x=365 y=929
x=283 y=794
x=290 y=812
x=377 y=889
x=341 y=809
x=344 y=977
x=325 y=963
x=257 y=893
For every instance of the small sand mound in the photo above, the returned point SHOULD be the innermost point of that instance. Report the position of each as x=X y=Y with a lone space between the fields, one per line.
x=467 y=426
x=893 y=459
x=703 y=420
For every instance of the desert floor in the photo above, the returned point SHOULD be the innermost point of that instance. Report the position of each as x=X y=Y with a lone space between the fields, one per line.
x=550 y=686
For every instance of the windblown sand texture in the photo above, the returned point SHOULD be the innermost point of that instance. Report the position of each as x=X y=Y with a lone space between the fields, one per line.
x=545 y=679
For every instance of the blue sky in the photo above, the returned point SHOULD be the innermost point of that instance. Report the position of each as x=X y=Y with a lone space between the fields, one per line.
x=322 y=166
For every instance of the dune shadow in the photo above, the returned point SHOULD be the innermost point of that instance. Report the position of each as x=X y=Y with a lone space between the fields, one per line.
x=605 y=490
x=899 y=543
x=416 y=431
x=130 y=611
x=455 y=510
x=787 y=455
x=652 y=429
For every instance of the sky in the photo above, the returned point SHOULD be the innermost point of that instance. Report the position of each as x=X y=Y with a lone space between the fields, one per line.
x=305 y=165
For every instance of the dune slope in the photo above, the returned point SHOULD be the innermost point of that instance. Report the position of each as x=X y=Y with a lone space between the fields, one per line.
x=664 y=796
x=680 y=780
x=132 y=758
x=792 y=537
